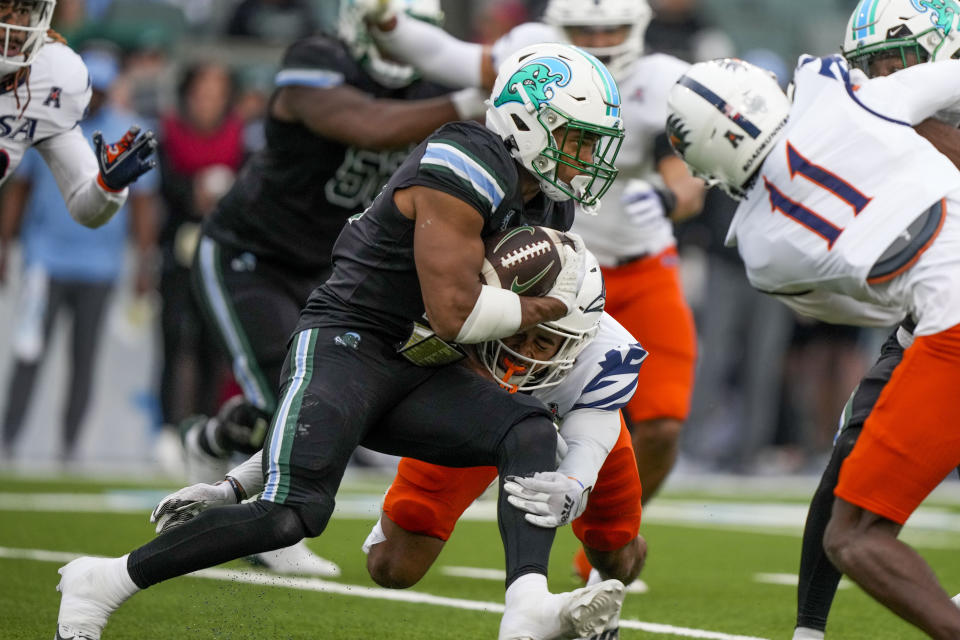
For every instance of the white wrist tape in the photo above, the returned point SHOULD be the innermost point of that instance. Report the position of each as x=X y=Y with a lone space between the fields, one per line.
x=469 y=103
x=249 y=474
x=496 y=314
x=435 y=53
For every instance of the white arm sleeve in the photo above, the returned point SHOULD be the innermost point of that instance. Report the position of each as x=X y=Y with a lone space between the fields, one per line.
x=438 y=55
x=249 y=474
x=74 y=166
x=840 y=309
x=915 y=93
x=590 y=435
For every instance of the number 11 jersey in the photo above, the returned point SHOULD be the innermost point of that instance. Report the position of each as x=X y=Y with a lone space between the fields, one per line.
x=846 y=178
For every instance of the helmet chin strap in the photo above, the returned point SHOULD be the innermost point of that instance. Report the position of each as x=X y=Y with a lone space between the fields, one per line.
x=579 y=186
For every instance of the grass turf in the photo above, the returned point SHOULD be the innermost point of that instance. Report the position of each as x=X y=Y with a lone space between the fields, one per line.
x=700 y=577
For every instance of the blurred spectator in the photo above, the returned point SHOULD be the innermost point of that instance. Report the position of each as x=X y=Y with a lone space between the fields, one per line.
x=680 y=28
x=66 y=265
x=201 y=148
x=497 y=18
x=272 y=20
x=743 y=340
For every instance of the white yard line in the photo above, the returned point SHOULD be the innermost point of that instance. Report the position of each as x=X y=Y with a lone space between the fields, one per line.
x=413 y=597
x=790 y=579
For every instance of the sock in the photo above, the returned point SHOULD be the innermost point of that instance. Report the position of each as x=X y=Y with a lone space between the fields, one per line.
x=594 y=577
x=118 y=579
x=374 y=537
x=527 y=585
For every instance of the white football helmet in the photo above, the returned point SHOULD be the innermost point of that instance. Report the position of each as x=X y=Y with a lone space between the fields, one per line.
x=880 y=28
x=352 y=29
x=636 y=14
x=520 y=373
x=25 y=35
x=723 y=118
x=547 y=94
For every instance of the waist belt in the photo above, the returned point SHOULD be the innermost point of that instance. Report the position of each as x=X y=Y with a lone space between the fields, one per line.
x=634 y=258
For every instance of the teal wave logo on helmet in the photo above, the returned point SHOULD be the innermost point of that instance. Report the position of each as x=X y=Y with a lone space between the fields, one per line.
x=536 y=78
x=943 y=13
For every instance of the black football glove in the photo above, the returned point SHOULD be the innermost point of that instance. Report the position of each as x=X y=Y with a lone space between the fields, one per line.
x=123 y=162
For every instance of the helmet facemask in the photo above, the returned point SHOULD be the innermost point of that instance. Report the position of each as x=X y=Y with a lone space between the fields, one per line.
x=573 y=333
x=23 y=31
x=567 y=141
x=516 y=372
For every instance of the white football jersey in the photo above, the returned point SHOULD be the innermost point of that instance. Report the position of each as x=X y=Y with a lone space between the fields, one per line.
x=643 y=94
x=845 y=179
x=56 y=95
x=604 y=375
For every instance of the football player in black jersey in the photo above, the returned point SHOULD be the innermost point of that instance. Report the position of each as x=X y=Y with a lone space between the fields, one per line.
x=372 y=360
x=340 y=121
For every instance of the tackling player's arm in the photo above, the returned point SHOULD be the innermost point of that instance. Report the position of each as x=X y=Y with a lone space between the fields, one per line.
x=556 y=498
x=688 y=192
x=354 y=118
x=439 y=56
x=94 y=185
x=448 y=252
x=943 y=136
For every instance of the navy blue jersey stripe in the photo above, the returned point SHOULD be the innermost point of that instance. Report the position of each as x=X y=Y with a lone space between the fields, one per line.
x=722 y=105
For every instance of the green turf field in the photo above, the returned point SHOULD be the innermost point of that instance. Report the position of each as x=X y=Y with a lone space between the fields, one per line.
x=713 y=576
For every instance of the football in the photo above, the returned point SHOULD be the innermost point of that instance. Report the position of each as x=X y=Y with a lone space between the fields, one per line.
x=525 y=259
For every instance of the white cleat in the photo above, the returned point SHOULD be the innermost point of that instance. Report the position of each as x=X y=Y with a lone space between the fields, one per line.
x=581 y=613
x=297 y=559
x=87 y=597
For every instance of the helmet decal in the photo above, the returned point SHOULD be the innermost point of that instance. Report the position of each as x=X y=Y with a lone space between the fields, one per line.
x=678 y=132
x=535 y=79
x=943 y=13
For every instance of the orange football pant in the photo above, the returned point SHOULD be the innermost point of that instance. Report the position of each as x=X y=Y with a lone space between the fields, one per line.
x=910 y=441
x=646 y=297
x=428 y=499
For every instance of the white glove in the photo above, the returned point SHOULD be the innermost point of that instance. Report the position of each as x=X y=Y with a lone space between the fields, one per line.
x=567 y=285
x=550 y=498
x=642 y=203
x=185 y=504
x=373 y=11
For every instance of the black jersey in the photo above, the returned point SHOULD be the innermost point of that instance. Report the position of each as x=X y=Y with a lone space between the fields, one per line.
x=291 y=199
x=374 y=282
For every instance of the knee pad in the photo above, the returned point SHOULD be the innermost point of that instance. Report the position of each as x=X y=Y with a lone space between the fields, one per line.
x=242 y=427
x=419 y=517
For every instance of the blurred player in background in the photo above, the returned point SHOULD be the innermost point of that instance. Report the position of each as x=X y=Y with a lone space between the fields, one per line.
x=44 y=92
x=855 y=238
x=633 y=236
x=896 y=36
x=372 y=363
x=341 y=119
x=67 y=267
